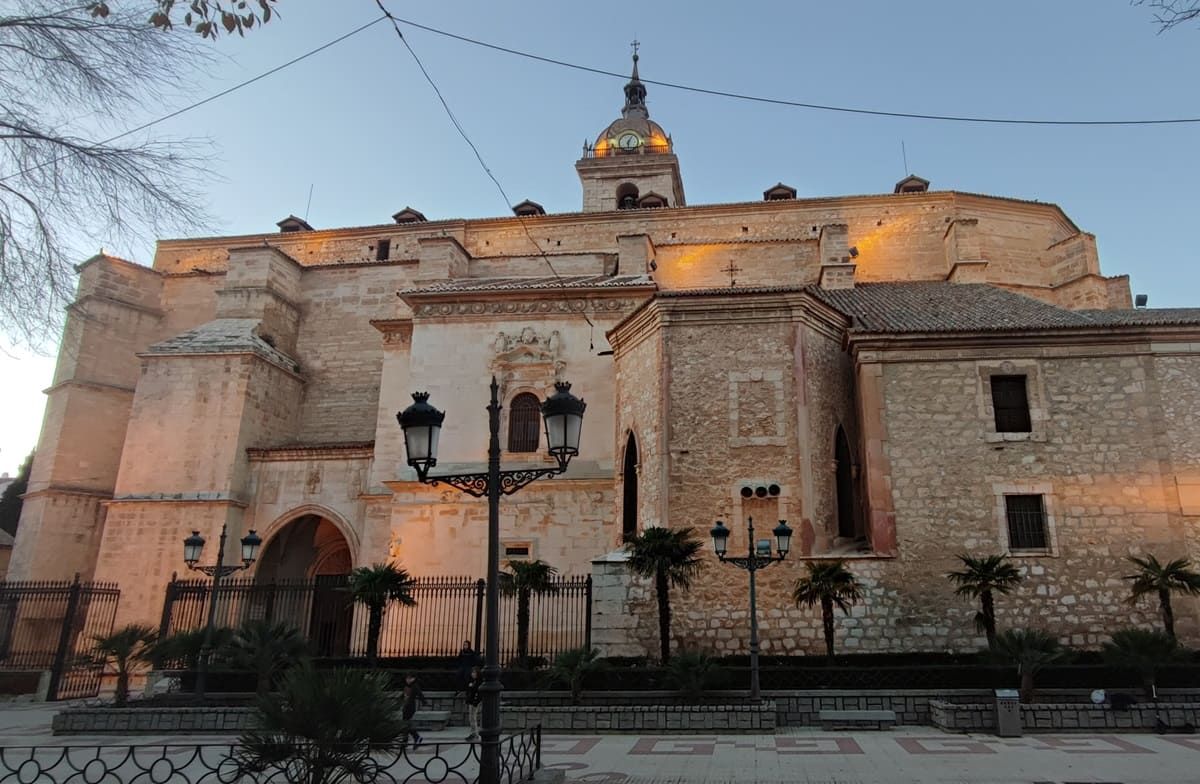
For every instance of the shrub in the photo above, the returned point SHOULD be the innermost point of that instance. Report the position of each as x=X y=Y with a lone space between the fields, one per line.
x=694 y=673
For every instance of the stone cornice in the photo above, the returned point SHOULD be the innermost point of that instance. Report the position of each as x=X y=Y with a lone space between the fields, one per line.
x=364 y=450
x=67 y=490
x=85 y=384
x=1098 y=341
x=727 y=308
x=523 y=303
x=265 y=244
x=80 y=305
x=396 y=332
x=238 y=352
x=221 y=499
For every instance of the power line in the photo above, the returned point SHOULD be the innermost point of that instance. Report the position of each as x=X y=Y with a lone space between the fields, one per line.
x=209 y=99
x=463 y=133
x=784 y=102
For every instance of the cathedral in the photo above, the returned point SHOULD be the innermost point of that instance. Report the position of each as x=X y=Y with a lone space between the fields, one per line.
x=902 y=376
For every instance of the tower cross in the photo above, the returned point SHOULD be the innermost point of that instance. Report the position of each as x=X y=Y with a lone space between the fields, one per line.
x=635 y=44
x=731 y=269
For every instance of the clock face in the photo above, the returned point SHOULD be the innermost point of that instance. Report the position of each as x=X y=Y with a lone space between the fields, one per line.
x=629 y=141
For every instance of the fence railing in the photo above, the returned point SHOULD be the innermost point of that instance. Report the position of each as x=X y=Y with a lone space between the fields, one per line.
x=520 y=758
x=448 y=610
x=52 y=625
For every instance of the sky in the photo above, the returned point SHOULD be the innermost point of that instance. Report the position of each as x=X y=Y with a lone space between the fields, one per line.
x=359 y=127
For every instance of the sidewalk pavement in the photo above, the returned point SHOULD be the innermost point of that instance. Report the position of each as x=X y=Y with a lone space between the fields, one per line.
x=899 y=756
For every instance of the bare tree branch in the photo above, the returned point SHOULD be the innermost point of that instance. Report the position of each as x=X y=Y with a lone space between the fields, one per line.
x=1171 y=13
x=63 y=193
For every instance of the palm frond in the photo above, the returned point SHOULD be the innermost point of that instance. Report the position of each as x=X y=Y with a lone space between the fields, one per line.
x=828 y=580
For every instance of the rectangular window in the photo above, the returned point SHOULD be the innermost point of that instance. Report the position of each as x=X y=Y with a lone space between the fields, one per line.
x=383 y=249
x=1026 y=522
x=518 y=551
x=1010 y=401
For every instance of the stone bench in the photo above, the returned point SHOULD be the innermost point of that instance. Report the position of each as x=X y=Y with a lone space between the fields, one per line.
x=848 y=719
x=431 y=720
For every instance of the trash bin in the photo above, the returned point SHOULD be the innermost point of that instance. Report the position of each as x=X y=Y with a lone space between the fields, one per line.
x=1008 y=713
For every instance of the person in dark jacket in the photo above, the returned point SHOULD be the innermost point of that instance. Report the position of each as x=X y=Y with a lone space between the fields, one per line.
x=474 y=700
x=468 y=659
x=413 y=696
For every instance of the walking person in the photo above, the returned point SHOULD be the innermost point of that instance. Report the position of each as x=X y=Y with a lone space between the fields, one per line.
x=474 y=702
x=412 y=697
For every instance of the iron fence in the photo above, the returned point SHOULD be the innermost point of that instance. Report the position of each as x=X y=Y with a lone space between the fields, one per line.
x=448 y=610
x=520 y=758
x=53 y=625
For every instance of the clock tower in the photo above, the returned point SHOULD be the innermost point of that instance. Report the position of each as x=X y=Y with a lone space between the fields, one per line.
x=632 y=164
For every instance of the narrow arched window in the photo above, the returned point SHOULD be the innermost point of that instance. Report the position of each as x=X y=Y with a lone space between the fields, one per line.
x=847 y=527
x=524 y=423
x=629 y=507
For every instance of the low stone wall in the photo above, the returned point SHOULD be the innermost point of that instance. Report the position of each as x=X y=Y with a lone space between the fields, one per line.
x=744 y=718
x=151 y=721
x=1066 y=717
x=800 y=708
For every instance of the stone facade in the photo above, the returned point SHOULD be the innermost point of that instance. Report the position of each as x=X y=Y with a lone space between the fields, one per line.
x=839 y=353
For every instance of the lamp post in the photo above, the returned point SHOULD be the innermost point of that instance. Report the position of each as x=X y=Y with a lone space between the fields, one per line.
x=422 y=424
x=192 y=547
x=758 y=556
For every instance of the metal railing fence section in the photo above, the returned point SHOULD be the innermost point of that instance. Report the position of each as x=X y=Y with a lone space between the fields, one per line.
x=448 y=610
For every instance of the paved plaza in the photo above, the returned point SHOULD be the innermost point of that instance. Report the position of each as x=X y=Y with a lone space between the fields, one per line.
x=905 y=754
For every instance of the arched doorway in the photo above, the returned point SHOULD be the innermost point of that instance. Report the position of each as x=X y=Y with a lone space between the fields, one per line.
x=847 y=528
x=629 y=509
x=308 y=562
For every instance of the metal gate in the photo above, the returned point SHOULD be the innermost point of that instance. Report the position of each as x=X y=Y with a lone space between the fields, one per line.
x=53 y=625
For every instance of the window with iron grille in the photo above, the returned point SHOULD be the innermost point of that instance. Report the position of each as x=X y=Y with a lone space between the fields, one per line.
x=524 y=423
x=1010 y=401
x=1026 y=522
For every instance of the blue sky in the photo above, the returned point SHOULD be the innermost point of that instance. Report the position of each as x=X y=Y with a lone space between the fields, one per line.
x=359 y=125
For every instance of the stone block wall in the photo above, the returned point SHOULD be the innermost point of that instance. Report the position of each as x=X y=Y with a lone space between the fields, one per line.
x=1065 y=717
x=1096 y=454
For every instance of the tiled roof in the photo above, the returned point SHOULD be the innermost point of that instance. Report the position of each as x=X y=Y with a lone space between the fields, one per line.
x=528 y=283
x=1144 y=316
x=224 y=336
x=938 y=306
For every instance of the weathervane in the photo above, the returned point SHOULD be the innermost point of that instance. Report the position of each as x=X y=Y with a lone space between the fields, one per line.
x=731 y=269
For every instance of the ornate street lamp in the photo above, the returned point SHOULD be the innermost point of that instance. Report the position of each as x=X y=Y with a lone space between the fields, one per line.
x=193 y=546
x=422 y=424
x=758 y=556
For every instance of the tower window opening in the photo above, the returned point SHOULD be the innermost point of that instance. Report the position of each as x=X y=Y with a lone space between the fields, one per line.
x=627 y=196
x=382 y=250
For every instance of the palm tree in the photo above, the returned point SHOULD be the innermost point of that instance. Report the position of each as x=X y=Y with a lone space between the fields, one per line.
x=694 y=673
x=828 y=583
x=672 y=558
x=321 y=728
x=980 y=578
x=126 y=648
x=525 y=578
x=573 y=667
x=266 y=649
x=375 y=586
x=1143 y=652
x=182 y=649
x=1163 y=579
x=1030 y=650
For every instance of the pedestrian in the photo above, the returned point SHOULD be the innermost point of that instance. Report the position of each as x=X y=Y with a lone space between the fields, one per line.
x=412 y=697
x=468 y=658
x=474 y=700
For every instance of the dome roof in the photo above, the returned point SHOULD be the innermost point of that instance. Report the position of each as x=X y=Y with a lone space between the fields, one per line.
x=633 y=131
